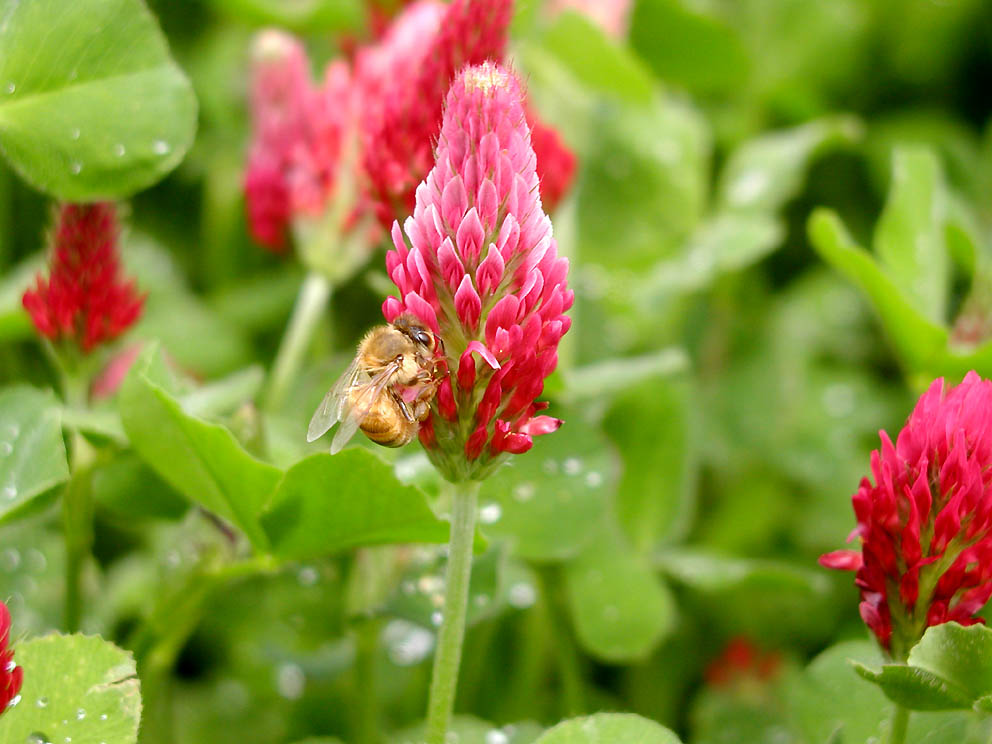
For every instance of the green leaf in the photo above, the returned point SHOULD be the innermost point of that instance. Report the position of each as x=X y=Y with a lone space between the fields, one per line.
x=598 y=63
x=550 y=502
x=771 y=599
x=91 y=104
x=609 y=728
x=14 y=320
x=329 y=503
x=765 y=172
x=620 y=608
x=202 y=461
x=471 y=730
x=298 y=15
x=962 y=655
x=32 y=453
x=651 y=426
x=917 y=340
x=132 y=490
x=916 y=689
x=610 y=376
x=686 y=47
x=909 y=237
x=644 y=185
x=830 y=699
x=76 y=688
x=950 y=668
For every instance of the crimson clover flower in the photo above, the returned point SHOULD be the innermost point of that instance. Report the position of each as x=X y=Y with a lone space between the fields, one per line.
x=742 y=661
x=482 y=271
x=926 y=523
x=403 y=82
x=11 y=675
x=85 y=300
x=299 y=131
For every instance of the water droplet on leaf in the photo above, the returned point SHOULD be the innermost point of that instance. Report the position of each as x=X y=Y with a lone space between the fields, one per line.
x=490 y=513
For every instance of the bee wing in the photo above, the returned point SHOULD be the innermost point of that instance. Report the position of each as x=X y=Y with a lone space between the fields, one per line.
x=355 y=407
x=331 y=407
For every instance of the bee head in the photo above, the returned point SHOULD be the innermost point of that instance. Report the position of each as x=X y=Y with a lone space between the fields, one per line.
x=413 y=329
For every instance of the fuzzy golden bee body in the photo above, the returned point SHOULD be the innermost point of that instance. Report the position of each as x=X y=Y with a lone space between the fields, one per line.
x=387 y=389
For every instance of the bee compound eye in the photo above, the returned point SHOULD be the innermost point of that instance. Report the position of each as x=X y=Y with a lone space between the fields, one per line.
x=422 y=337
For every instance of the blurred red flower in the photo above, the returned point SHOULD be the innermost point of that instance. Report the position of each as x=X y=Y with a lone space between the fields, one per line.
x=85 y=300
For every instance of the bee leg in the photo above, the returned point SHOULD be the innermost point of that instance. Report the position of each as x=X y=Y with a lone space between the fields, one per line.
x=404 y=409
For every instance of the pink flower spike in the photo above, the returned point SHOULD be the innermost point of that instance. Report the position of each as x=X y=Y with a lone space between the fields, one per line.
x=926 y=512
x=490 y=277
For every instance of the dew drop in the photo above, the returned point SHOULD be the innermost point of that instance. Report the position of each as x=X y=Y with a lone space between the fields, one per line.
x=594 y=479
x=407 y=643
x=160 y=147
x=80 y=714
x=496 y=737
x=10 y=492
x=307 y=576
x=290 y=681
x=10 y=559
x=36 y=738
x=75 y=133
x=550 y=466
x=14 y=701
x=490 y=513
x=11 y=87
x=430 y=584
x=119 y=150
x=437 y=618
x=35 y=560
x=76 y=168
x=6 y=448
x=572 y=466
x=42 y=702
x=68 y=740
x=10 y=666
x=522 y=595
x=524 y=492
x=103 y=716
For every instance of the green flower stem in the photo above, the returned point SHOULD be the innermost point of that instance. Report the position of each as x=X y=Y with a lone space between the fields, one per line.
x=444 y=680
x=77 y=506
x=315 y=292
x=898 y=725
x=77 y=525
x=366 y=708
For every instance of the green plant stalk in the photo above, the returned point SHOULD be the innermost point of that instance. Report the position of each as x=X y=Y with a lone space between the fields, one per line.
x=77 y=525
x=898 y=725
x=444 y=679
x=77 y=506
x=315 y=293
x=366 y=708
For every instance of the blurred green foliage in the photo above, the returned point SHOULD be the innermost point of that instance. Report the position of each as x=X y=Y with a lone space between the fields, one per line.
x=779 y=233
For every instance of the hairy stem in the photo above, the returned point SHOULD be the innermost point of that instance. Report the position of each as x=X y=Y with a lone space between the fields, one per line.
x=444 y=680
x=315 y=292
x=898 y=725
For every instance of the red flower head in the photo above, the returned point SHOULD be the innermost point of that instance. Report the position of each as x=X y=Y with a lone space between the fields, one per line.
x=299 y=131
x=482 y=271
x=926 y=523
x=11 y=675
x=742 y=661
x=402 y=83
x=85 y=300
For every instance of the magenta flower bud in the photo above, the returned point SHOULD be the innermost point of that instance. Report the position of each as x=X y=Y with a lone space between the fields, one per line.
x=11 y=675
x=926 y=523
x=477 y=263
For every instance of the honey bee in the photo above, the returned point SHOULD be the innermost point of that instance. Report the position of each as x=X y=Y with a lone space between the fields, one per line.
x=387 y=389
